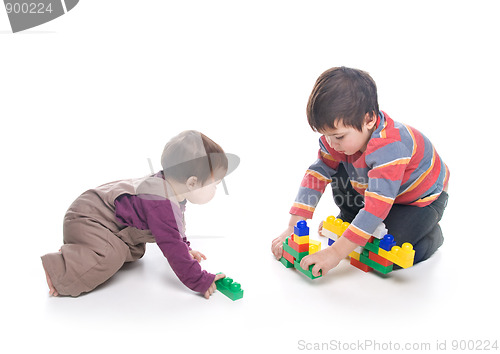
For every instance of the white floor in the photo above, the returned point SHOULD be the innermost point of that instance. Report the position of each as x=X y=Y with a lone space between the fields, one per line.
x=452 y=296
x=88 y=97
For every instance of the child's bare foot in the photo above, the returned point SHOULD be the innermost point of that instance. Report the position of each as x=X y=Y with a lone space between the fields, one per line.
x=52 y=290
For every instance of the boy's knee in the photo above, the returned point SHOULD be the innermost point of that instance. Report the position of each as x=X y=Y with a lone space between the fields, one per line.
x=428 y=245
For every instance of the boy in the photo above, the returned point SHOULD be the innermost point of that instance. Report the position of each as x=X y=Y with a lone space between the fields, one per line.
x=380 y=171
x=109 y=225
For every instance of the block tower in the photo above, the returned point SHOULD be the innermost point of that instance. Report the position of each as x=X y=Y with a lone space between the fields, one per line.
x=380 y=252
x=297 y=246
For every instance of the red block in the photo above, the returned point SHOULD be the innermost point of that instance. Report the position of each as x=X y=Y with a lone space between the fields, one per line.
x=360 y=265
x=379 y=259
x=299 y=248
x=288 y=256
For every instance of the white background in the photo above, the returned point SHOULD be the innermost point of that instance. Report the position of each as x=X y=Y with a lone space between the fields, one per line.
x=87 y=98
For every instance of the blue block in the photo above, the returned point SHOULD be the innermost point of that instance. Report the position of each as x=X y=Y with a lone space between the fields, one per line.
x=387 y=243
x=301 y=229
x=330 y=242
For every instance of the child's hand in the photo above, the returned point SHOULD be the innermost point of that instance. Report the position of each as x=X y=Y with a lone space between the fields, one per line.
x=323 y=260
x=197 y=255
x=277 y=245
x=320 y=228
x=213 y=287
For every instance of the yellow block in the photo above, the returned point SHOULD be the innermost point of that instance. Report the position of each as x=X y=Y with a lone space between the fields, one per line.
x=314 y=246
x=328 y=223
x=402 y=256
x=335 y=225
x=354 y=255
x=301 y=239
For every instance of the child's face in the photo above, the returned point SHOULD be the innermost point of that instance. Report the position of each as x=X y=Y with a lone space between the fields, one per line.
x=202 y=194
x=348 y=140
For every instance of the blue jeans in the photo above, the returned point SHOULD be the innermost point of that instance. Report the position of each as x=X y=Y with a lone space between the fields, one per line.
x=407 y=223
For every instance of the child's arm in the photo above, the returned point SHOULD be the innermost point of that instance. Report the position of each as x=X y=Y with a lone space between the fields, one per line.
x=328 y=258
x=162 y=221
x=277 y=245
x=315 y=180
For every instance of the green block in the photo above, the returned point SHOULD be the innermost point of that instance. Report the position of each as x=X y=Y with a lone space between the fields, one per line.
x=229 y=288
x=298 y=256
x=372 y=246
x=307 y=272
x=377 y=266
x=286 y=263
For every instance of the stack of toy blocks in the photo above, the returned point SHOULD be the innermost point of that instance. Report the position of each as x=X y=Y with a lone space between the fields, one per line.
x=297 y=246
x=379 y=253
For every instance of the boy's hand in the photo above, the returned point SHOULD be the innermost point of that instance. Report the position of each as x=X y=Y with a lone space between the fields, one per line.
x=197 y=255
x=213 y=287
x=320 y=228
x=323 y=260
x=277 y=245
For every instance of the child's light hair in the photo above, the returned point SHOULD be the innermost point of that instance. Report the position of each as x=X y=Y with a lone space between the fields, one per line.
x=192 y=153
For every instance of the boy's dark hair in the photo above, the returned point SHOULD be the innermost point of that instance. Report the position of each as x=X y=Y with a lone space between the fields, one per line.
x=343 y=95
x=192 y=153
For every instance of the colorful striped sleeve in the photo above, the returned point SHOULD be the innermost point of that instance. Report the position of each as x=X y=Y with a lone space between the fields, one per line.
x=315 y=180
x=387 y=160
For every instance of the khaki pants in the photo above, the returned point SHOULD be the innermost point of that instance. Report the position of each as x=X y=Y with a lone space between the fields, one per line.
x=95 y=246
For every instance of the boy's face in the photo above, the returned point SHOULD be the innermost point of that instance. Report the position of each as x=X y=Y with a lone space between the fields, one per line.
x=348 y=140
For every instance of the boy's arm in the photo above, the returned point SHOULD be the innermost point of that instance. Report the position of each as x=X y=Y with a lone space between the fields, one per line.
x=315 y=180
x=317 y=177
x=387 y=164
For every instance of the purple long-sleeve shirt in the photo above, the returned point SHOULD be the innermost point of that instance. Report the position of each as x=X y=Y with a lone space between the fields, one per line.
x=159 y=216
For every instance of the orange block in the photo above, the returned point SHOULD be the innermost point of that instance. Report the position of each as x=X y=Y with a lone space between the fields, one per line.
x=380 y=260
x=288 y=256
x=299 y=248
x=360 y=265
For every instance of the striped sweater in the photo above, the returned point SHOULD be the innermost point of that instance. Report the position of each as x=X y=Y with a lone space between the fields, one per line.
x=399 y=165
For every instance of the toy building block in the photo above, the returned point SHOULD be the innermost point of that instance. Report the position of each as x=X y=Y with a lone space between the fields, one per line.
x=307 y=272
x=297 y=255
x=229 y=288
x=380 y=231
x=373 y=246
x=304 y=247
x=288 y=257
x=286 y=263
x=365 y=268
x=381 y=246
x=301 y=240
x=335 y=225
x=328 y=233
x=301 y=229
x=402 y=256
x=328 y=223
x=379 y=259
x=365 y=259
x=387 y=242
x=295 y=244
x=354 y=255
x=314 y=246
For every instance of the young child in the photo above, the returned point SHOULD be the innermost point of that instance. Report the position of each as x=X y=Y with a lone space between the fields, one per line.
x=380 y=171
x=109 y=225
